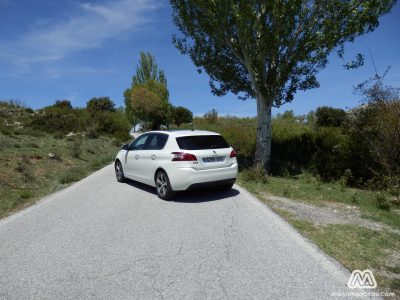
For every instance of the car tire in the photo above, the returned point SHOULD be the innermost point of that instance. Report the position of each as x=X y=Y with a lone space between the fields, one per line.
x=164 y=190
x=119 y=172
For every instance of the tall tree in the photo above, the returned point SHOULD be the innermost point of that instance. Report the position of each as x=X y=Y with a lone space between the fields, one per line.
x=150 y=101
x=181 y=115
x=148 y=70
x=268 y=50
x=147 y=73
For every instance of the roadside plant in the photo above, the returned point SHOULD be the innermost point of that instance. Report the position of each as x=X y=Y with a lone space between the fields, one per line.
x=268 y=50
x=255 y=174
x=382 y=201
x=76 y=148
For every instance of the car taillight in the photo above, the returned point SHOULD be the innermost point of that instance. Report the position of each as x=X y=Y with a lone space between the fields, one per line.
x=181 y=156
x=233 y=154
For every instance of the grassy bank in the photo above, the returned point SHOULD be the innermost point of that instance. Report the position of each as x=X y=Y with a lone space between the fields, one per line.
x=34 y=166
x=368 y=239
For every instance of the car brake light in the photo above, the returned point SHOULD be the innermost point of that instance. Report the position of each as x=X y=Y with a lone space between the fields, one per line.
x=233 y=154
x=181 y=156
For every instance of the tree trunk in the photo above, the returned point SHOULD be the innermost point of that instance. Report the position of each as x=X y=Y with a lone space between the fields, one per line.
x=264 y=133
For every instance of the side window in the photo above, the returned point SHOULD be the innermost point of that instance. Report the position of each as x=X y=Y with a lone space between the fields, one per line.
x=139 y=143
x=157 y=141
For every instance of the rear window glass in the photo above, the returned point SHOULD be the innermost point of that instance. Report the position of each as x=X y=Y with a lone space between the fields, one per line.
x=201 y=142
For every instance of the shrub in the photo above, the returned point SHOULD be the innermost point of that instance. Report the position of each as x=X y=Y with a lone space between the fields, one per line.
x=114 y=123
x=293 y=144
x=33 y=145
x=256 y=174
x=181 y=115
x=382 y=202
x=56 y=119
x=34 y=133
x=100 y=105
x=329 y=116
x=76 y=149
x=330 y=158
x=24 y=167
x=26 y=194
x=59 y=135
x=92 y=132
x=355 y=198
x=211 y=116
x=71 y=175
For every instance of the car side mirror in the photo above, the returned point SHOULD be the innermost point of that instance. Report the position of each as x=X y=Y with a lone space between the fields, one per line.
x=125 y=147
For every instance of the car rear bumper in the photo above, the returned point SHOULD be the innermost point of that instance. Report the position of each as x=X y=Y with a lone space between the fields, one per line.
x=188 y=178
x=210 y=184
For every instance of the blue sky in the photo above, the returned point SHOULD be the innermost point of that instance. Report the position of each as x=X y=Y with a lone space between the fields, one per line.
x=77 y=50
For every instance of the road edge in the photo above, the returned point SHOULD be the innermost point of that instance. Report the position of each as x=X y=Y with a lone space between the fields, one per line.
x=327 y=262
x=40 y=202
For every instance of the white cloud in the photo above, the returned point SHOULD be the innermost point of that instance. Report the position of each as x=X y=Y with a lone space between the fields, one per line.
x=88 y=26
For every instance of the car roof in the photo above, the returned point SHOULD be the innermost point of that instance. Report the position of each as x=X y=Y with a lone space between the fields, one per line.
x=178 y=133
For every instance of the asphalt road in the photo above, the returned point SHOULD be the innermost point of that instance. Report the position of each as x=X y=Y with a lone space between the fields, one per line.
x=100 y=239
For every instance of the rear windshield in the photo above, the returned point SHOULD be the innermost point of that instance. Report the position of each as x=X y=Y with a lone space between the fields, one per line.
x=201 y=142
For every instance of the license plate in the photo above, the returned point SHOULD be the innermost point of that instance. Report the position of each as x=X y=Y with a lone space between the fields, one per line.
x=213 y=159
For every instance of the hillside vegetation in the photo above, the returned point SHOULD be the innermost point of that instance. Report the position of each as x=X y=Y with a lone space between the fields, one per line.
x=42 y=151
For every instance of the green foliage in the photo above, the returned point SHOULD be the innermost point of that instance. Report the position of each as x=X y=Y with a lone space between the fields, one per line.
x=331 y=153
x=132 y=117
x=71 y=175
x=100 y=117
x=241 y=44
x=100 y=105
x=329 y=116
x=114 y=123
x=147 y=99
x=239 y=132
x=92 y=132
x=26 y=194
x=256 y=174
x=268 y=50
x=76 y=148
x=58 y=119
x=382 y=201
x=181 y=115
x=150 y=102
x=211 y=116
x=148 y=70
x=24 y=167
x=66 y=104
x=292 y=144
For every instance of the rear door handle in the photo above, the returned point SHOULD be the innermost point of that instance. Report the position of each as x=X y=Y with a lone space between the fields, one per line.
x=153 y=157
x=137 y=156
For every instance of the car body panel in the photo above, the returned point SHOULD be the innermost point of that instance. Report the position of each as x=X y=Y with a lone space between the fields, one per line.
x=141 y=165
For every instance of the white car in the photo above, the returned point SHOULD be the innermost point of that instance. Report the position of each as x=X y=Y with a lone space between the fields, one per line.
x=178 y=160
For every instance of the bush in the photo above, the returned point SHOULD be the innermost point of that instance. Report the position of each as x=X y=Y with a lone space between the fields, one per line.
x=330 y=159
x=329 y=116
x=293 y=144
x=256 y=174
x=26 y=194
x=91 y=132
x=24 y=167
x=34 y=133
x=56 y=119
x=114 y=123
x=71 y=175
x=76 y=149
x=382 y=202
x=211 y=116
